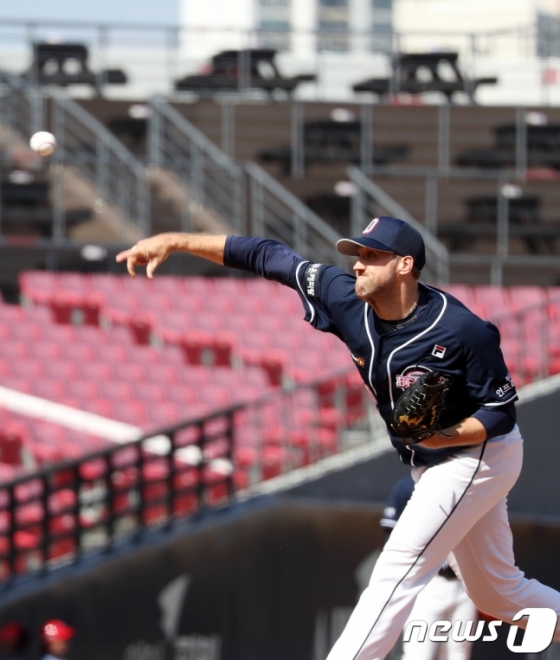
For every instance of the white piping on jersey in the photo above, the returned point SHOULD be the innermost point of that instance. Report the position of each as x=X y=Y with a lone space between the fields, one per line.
x=501 y=403
x=366 y=309
x=311 y=308
x=410 y=342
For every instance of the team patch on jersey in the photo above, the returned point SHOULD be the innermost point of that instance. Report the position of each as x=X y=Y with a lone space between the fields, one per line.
x=311 y=273
x=438 y=351
x=360 y=361
x=371 y=226
x=505 y=386
x=410 y=375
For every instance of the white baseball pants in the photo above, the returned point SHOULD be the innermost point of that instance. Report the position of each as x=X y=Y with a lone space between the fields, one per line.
x=458 y=506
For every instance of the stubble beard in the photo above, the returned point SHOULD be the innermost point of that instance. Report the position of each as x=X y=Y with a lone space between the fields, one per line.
x=371 y=291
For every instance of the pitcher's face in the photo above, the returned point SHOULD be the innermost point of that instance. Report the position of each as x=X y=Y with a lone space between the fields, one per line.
x=376 y=273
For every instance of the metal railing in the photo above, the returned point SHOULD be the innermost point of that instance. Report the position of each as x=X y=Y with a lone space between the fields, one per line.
x=370 y=200
x=277 y=214
x=208 y=176
x=95 y=502
x=505 y=186
x=84 y=146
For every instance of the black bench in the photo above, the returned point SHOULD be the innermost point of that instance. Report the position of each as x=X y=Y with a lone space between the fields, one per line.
x=23 y=188
x=522 y=210
x=67 y=64
x=543 y=148
x=327 y=140
x=499 y=159
x=25 y=205
x=131 y=131
x=229 y=66
x=407 y=77
x=333 y=209
x=524 y=222
x=544 y=138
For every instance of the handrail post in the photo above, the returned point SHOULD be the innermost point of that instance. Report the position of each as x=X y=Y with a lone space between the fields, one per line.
x=45 y=522
x=297 y=152
x=77 y=529
x=431 y=204
x=154 y=134
x=230 y=438
x=357 y=223
x=57 y=170
x=520 y=143
x=170 y=499
x=110 y=501
x=366 y=137
x=444 y=121
x=12 y=551
x=502 y=238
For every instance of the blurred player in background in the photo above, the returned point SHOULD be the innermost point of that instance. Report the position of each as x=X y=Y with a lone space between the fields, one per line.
x=55 y=638
x=13 y=641
x=443 y=599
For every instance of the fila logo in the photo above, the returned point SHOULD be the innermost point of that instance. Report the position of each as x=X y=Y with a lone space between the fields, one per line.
x=439 y=351
x=371 y=226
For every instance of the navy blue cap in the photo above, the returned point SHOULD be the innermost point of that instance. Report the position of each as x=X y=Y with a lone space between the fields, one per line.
x=389 y=235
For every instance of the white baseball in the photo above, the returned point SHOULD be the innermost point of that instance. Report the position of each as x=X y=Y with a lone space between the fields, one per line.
x=43 y=143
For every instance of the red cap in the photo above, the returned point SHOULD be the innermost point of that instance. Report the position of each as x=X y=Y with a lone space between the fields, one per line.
x=55 y=630
x=11 y=633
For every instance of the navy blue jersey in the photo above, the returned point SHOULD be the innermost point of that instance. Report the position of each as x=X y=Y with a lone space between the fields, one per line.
x=442 y=334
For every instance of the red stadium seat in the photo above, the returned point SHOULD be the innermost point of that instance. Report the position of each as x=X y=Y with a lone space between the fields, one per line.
x=492 y=301
x=12 y=439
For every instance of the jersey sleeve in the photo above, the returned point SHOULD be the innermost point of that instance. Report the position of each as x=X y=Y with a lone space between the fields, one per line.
x=327 y=294
x=269 y=259
x=488 y=381
x=497 y=421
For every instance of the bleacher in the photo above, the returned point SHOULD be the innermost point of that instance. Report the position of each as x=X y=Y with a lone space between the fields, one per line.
x=406 y=148
x=153 y=353
x=89 y=362
x=150 y=354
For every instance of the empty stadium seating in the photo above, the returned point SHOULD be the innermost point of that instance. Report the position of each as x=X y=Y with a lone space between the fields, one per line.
x=151 y=353
x=527 y=319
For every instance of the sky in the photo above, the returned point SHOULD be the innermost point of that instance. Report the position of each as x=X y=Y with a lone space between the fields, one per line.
x=157 y=12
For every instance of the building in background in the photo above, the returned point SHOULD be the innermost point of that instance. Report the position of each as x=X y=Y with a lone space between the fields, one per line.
x=525 y=25
x=368 y=25
x=342 y=42
x=516 y=40
x=299 y=26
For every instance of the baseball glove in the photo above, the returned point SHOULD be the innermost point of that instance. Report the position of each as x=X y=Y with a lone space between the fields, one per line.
x=417 y=411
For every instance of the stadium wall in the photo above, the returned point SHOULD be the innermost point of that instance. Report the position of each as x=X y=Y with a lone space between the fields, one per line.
x=272 y=579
